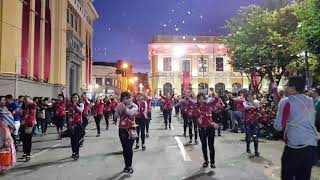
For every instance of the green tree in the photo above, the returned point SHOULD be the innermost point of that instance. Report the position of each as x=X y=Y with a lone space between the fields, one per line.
x=309 y=16
x=264 y=41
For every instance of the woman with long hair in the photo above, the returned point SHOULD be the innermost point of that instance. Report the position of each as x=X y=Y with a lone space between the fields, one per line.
x=207 y=127
x=98 y=113
x=141 y=118
x=127 y=128
x=75 y=126
x=107 y=111
x=60 y=114
x=251 y=122
x=27 y=124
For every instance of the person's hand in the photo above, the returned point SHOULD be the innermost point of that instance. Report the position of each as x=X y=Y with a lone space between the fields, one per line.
x=215 y=125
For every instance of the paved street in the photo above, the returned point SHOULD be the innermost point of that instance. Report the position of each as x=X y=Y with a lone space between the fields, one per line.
x=168 y=157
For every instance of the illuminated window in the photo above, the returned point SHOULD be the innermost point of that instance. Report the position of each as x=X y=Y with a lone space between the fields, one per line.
x=203 y=65
x=186 y=66
x=219 y=64
x=167 y=64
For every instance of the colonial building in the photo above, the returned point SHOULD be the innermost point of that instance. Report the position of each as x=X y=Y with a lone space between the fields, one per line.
x=191 y=63
x=45 y=45
x=106 y=80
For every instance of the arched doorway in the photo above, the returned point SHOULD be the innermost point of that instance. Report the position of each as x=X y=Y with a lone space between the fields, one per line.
x=203 y=87
x=220 y=87
x=167 y=88
x=236 y=87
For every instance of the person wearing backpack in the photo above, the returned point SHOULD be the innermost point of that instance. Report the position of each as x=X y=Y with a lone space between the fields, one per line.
x=296 y=117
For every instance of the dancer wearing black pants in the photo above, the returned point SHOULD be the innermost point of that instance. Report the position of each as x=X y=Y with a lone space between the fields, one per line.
x=27 y=126
x=218 y=107
x=60 y=114
x=98 y=114
x=167 y=108
x=206 y=128
x=75 y=126
x=149 y=107
x=251 y=123
x=114 y=104
x=193 y=125
x=141 y=118
x=126 y=111
x=107 y=112
x=186 y=105
x=192 y=120
x=86 y=110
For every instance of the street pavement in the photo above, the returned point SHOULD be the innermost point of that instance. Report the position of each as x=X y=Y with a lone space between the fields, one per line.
x=169 y=156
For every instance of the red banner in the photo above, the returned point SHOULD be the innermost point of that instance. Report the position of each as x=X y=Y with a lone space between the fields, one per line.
x=186 y=81
x=37 y=24
x=47 y=53
x=25 y=38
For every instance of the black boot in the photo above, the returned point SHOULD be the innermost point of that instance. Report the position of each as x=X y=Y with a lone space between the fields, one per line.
x=256 y=152
x=248 y=147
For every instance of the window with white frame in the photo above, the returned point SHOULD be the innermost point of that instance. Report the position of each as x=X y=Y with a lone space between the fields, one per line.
x=167 y=64
x=219 y=64
x=203 y=65
x=99 y=81
x=185 y=65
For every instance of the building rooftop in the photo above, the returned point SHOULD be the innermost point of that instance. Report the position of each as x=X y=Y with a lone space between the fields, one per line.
x=113 y=64
x=186 y=39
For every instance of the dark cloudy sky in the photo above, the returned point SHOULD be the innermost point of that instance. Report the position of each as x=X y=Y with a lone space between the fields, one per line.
x=125 y=27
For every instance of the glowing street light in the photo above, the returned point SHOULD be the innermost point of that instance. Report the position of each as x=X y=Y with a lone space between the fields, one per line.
x=125 y=66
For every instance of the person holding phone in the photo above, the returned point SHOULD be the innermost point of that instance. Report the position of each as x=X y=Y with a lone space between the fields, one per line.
x=126 y=111
x=203 y=112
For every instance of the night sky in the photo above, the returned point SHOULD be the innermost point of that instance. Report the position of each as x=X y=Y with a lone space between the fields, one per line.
x=125 y=27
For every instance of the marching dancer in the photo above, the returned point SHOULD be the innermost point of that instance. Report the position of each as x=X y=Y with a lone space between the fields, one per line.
x=177 y=106
x=185 y=104
x=167 y=108
x=114 y=104
x=251 y=122
x=27 y=124
x=206 y=128
x=149 y=108
x=75 y=124
x=98 y=113
x=60 y=114
x=141 y=118
x=127 y=133
x=107 y=111
x=86 y=110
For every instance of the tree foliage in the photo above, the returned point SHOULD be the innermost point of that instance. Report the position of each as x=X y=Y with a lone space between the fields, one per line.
x=309 y=17
x=264 y=41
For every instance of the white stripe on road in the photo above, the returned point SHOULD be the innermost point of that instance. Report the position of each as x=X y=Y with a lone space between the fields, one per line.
x=46 y=150
x=184 y=154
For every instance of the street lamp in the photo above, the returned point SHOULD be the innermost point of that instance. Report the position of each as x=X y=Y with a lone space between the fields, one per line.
x=125 y=66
